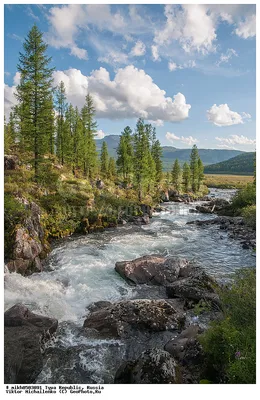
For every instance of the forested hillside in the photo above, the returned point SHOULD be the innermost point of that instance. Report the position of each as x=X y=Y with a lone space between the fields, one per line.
x=170 y=153
x=243 y=164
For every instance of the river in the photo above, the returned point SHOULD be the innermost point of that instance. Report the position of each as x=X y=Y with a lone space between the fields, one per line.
x=81 y=271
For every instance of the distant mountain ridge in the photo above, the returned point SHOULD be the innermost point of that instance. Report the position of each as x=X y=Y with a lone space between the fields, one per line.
x=243 y=164
x=170 y=153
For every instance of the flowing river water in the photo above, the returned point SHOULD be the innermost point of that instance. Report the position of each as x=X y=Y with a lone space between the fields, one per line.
x=81 y=271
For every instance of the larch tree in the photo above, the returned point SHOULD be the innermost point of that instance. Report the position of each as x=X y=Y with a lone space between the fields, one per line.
x=111 y=168
x=61 y=107
x=186 y=178
x=157 y=156
x=89 y=130
x=194 y=168
x=176 y=175
x=200 y=173
x=141 y=157
x=104 y=160
x=125 y=154
x=34 y=92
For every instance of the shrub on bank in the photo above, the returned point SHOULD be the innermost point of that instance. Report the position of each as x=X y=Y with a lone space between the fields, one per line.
x=249 y=214
x=230 y=344
x=245 y=197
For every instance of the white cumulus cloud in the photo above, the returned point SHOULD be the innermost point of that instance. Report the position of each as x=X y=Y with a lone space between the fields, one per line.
x=139 y=49
x=247 y=28
x=131 y=94
x=99 y=134
x=191 y=25
x=222 y=116
x=235 y=139
x=189 y=140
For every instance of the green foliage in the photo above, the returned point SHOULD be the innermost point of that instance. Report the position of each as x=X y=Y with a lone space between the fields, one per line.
x=61 y=107
x=194 y=157
x=176 y=175
x=34 y=95
x=14 y=214
x=245 y=197
x=89 y=146
x=186 y=177
x=104 y=160
x=230 y=344
x=125 y=154
x=249 y=215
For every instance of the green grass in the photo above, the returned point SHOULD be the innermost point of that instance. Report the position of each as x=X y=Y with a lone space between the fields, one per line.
x=230 y=344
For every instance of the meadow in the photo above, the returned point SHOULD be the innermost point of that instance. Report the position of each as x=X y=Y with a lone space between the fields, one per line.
x=227 y=181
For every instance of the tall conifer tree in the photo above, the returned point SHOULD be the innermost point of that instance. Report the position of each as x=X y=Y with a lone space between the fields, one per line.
x=194 y=168
x=125 y=154
x=89 y=130
x=34 y=96
x=176 y=175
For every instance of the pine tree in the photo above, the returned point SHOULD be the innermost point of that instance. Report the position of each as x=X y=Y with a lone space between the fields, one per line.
x=186 y=177
x=104 y=160
x=168 y=179
x=33 y=95
x=125 y=154
x=141 y=157
x=68 y=129
x=157 y=156
x=111 y=168
x=61 y=107
x=77 y=142
x=200 y=173
x=194 y=168
x=89 y=130
x=176 y=175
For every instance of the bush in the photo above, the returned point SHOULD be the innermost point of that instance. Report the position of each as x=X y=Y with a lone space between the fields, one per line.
x=230 y=344
x=245 y=197
x=249 y=214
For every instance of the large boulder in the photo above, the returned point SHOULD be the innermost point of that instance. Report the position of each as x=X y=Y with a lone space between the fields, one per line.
x=140 y=220
x=153 y=270
x=25 y=335
x=188 y=352
x=122 y=318
x=29 y=246
x=154 y=366
x=10 y=162
x=195 y=288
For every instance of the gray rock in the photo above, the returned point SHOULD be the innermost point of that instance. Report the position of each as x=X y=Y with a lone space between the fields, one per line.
x=153 y=366
x=120 y=319
x=153 y=269
x=197 y=287
x=10 y=162
x=25 y=334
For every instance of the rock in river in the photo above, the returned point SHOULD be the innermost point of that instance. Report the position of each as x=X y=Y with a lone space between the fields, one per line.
x=119 y=319
x=24 y=336
x=195 y=288
x=153 y=269
x=153 y=366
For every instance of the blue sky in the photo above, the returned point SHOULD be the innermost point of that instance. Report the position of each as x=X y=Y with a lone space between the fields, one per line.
x=187 y=69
